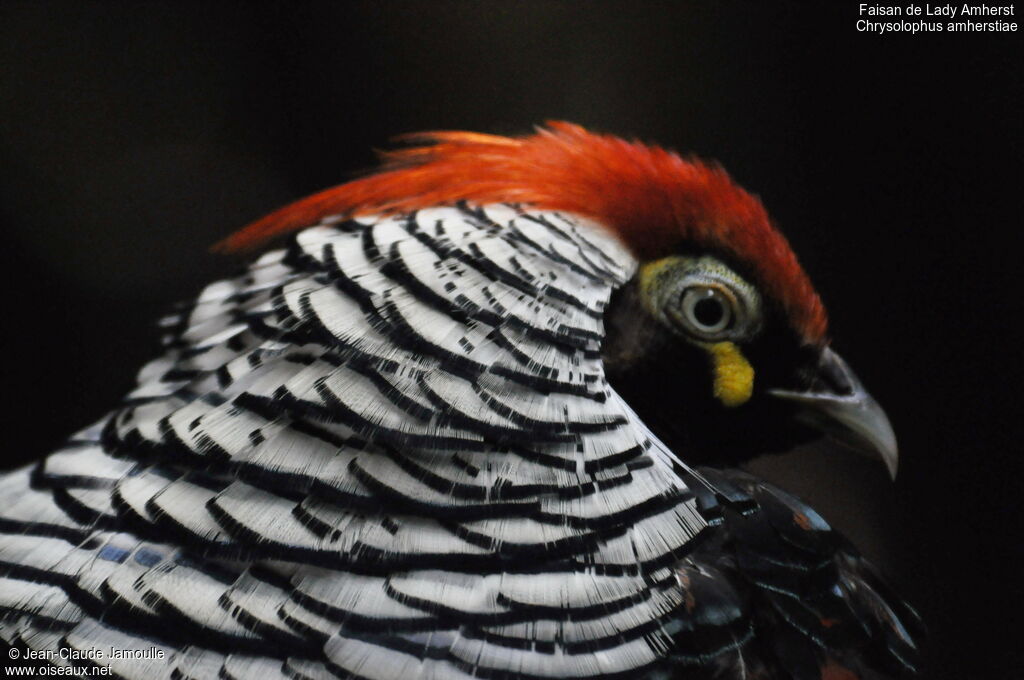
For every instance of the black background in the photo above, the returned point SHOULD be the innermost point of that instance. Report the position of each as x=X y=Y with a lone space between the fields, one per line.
x=132 y=136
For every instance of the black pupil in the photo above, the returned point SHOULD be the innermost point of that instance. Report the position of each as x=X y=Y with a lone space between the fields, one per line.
x=708 y=312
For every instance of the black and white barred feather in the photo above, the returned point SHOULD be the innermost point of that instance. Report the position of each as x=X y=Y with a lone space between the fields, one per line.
x=389 y=450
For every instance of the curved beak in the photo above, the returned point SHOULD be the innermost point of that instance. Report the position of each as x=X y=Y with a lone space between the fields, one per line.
x=839 y=406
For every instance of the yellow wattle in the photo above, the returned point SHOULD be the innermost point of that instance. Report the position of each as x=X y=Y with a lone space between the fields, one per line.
x=734 y=376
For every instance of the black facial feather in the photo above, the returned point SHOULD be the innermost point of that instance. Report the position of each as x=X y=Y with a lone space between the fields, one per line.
x=669 y=382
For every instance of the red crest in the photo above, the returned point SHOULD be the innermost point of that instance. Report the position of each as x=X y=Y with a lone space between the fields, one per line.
x=655 y=200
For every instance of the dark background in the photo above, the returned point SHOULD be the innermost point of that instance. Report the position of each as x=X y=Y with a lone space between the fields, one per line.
x=132 y=136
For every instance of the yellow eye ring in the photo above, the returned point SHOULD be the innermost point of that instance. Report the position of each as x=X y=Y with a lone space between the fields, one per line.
x=700 y=298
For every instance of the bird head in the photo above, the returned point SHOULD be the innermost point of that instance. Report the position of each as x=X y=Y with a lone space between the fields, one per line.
x=719 y=341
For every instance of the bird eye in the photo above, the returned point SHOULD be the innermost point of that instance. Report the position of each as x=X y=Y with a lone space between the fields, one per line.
x=701 y=299
x=706 y=311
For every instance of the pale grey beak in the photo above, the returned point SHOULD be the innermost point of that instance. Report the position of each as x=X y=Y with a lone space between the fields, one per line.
x=843 y=409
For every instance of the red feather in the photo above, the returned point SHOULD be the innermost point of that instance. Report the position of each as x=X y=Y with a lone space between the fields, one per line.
x=655 y=200
x=833 y=671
